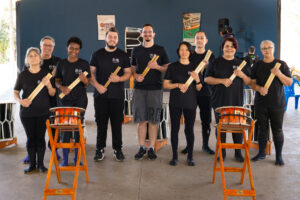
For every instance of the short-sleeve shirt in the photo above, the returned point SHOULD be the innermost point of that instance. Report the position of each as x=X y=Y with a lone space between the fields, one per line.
x=275 y=97
x=140 y=58
x=106 y=63
x=49 y=64
x=221 y=95
x=195 y=60
x=68 y=72
x=27 y=82
x=179 y=73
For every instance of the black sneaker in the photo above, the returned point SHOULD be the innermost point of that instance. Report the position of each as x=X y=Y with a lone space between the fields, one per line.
x=119 y=155
x=99 y=155
x=140 y=154
x=151 y=154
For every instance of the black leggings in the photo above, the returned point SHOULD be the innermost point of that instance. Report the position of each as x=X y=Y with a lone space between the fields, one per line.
x=189 y=121
x=265 y=115
x=35 y=128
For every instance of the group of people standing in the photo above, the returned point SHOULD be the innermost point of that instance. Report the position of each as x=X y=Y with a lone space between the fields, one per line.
x=210 y=88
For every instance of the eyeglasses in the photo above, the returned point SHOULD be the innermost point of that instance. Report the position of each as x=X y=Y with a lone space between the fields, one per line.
x=266 y=48
x=48 y=45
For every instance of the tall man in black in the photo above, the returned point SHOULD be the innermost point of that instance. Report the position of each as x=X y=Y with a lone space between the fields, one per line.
x=204 y=95
x=147 y=98
x=109 y=102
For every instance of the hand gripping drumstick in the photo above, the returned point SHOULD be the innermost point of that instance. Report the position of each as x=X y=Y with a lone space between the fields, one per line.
x=145 y=72
x=72 y=85
x=200 y=67
x=242 y=65
x=115 y=73
x=271 y=77
x=38 y=88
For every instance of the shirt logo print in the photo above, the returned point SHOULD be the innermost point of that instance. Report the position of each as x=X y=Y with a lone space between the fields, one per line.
x=115 y=60
x=38 y=82
x=51 y=67
x=151 y=55
x=78 y=71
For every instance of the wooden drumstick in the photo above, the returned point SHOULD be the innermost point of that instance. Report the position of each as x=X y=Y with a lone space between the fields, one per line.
x=115 y=73
x=242 y=65
x=38 y=88
x=200 y=67
x=73 y=84
x=294 y=70
x=145 y=72
x=271 y=77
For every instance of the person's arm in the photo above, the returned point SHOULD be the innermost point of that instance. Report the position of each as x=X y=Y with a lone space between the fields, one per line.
x=170 y=86
x=47 y=83
x=85 y=80
x=100 y=88
x=154 y=65
x=263 y=91
x=216 y=81
x=243 y=76
x=115 y=78
x=64 y=89
x=24 y=102
x=285 y=80
x=196 y=77
x=138 y=77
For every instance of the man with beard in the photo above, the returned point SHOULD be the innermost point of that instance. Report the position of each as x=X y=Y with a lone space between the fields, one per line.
x=204 y=95
x=109 y=101
x=50 y=62
x=147 y=97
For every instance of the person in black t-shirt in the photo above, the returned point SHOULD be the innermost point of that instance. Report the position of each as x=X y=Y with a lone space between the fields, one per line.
x=34 y=113
x=147 y=97
x=224 y=91
x=270 y=103
x=182 y=99
x=67 y=71
x=47 y=44
x=203 y=96
x=251 y=58
x=109 y=102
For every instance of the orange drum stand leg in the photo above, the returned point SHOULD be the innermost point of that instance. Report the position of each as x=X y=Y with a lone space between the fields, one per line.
x=76 y=168
x=224 y=128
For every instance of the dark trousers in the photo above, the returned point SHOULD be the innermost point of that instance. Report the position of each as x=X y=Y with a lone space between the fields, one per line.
x=204 y=104
x=236 y=137
x=35 y=128
x=109 y=109
x=189 y=120
x=265 y=115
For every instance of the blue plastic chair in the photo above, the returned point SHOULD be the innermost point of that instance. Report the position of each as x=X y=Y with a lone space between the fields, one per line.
x=290 y=92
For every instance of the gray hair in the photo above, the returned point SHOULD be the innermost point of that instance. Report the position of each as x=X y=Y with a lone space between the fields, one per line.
x=265 y=41
x=36 y=50
x=47 y=37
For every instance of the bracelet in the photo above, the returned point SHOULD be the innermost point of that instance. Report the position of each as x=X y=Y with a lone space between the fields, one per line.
x=198 y=83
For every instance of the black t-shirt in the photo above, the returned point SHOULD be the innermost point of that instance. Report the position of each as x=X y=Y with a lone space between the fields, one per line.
x=106 y=63
x=68 y=72
x=221 y=95
x=179 y=73
x=275 y=97
x=27 y=82
x=49 y=65
x=195 y=60
x=140 y=58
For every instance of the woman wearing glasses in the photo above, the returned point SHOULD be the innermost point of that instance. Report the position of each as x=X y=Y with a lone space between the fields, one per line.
x=270 y=103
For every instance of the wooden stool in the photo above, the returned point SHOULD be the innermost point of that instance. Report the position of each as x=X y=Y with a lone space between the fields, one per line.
x=225 y=128
x=77 y=168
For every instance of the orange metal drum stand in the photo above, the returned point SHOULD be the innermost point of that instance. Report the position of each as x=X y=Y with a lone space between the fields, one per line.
x=77 y=168
x=229 y=128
